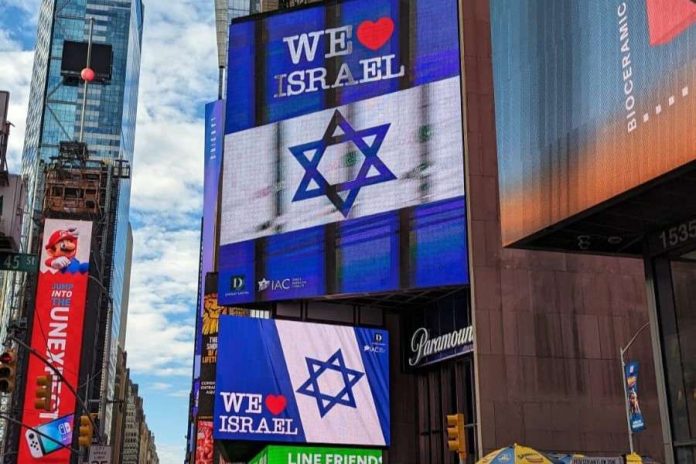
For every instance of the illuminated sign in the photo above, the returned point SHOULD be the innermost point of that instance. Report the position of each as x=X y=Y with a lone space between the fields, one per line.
x=343 y=164
x=301 y=383
x=606 y=108
x=57 y=334
x=424 y=348
x=312 y=455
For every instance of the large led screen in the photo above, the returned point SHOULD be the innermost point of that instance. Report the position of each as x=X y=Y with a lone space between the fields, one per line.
x=343 y=168
x=593 y=98
x=296 y=382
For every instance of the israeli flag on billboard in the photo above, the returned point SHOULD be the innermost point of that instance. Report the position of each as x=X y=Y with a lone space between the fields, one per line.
x=296 y=382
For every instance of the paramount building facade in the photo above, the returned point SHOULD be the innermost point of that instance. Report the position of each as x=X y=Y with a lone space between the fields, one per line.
x=375 y=206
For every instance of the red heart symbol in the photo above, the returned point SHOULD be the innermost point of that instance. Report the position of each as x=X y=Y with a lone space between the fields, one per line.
x=276 y=404
x=375 y=34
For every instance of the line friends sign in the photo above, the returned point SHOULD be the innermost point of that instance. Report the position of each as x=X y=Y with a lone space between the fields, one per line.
x=292 y=382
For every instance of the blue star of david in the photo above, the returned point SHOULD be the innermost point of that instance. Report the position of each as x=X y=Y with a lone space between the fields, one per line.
x=310 y=163
x=311 y=387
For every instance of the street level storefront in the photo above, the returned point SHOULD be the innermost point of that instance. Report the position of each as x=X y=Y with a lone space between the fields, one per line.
x=608 y=163
x=436 y=351
x=671 y=271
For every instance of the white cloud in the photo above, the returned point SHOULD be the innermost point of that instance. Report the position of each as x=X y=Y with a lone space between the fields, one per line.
x=170 y=453
x=7 y=43
x=180 y=394
x=28 y=6
x=163 y=285
x=161 y=386
x=15 y=77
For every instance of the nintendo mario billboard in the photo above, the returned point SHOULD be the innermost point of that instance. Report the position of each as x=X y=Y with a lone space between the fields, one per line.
x=57 y=335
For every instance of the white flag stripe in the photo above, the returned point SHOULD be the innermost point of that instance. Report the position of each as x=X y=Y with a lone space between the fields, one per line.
x=342 y=424
x=423 y=141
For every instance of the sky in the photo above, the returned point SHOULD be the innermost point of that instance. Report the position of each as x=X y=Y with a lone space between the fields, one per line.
x=178 y=76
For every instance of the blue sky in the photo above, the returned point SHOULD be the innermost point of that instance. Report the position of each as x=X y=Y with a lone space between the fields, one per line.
x=178 y=76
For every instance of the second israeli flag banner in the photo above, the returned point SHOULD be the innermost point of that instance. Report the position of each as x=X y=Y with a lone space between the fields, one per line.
x=296 y=382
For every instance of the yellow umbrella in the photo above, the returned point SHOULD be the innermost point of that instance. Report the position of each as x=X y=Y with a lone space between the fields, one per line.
x=516 y=454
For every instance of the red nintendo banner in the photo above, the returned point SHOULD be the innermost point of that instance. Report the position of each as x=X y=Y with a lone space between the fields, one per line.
x=57 y=334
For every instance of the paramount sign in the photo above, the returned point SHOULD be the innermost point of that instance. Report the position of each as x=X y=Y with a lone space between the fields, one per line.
x=426 y=350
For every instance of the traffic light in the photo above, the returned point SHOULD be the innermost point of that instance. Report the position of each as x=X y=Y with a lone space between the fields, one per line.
x=44 y=388
x=456 y=435
x=86 y=431
x=8 y=368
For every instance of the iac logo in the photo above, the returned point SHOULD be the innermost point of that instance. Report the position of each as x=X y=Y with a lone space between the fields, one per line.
x=303 y=50
x=281 y=284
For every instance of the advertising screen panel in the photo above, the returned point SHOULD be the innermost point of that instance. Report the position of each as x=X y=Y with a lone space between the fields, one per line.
x=57 y=334
x=214 y=113
x=214 y=134
x=209 y=332
x=592 y=100
x=343 y=166
x=302 y=383
x=301 y=454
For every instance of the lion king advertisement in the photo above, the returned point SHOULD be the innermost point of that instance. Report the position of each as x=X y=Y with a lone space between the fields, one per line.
x=209 y=349
x=57 y=334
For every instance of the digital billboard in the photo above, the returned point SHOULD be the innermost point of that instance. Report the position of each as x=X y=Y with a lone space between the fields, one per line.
x=343 y=166
x=209 y=347
x=307 y=454
x=203 y=389
x=205 y=451
x=301 y=383
x=592 y=100
x=211 y=174
x=57 y=331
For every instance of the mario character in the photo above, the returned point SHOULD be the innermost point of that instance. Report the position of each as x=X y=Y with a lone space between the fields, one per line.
x=62 y=250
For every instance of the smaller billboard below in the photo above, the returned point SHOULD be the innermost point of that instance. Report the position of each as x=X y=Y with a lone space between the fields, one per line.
x=295 y=382
x=302 y=454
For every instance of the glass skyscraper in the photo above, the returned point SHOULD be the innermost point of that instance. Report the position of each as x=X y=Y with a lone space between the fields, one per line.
x=226 y=11
x=54 y=116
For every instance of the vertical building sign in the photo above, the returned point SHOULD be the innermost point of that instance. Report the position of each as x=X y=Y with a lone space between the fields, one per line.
x=57 y=335
x=634 y=413
x=212 y=161
x=204 y=443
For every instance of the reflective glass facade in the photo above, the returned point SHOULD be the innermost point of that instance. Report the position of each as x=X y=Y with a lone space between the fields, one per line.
x=673 y=276
x=226 y=11
x=55 y=112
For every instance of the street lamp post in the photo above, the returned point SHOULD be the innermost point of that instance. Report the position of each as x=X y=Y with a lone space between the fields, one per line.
x=107 y=354
x=622 y=351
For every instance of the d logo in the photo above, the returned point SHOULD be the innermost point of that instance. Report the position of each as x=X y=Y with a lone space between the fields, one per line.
x=237 y=283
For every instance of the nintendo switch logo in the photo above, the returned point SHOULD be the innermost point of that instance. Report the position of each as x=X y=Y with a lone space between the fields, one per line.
x=667 y=19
